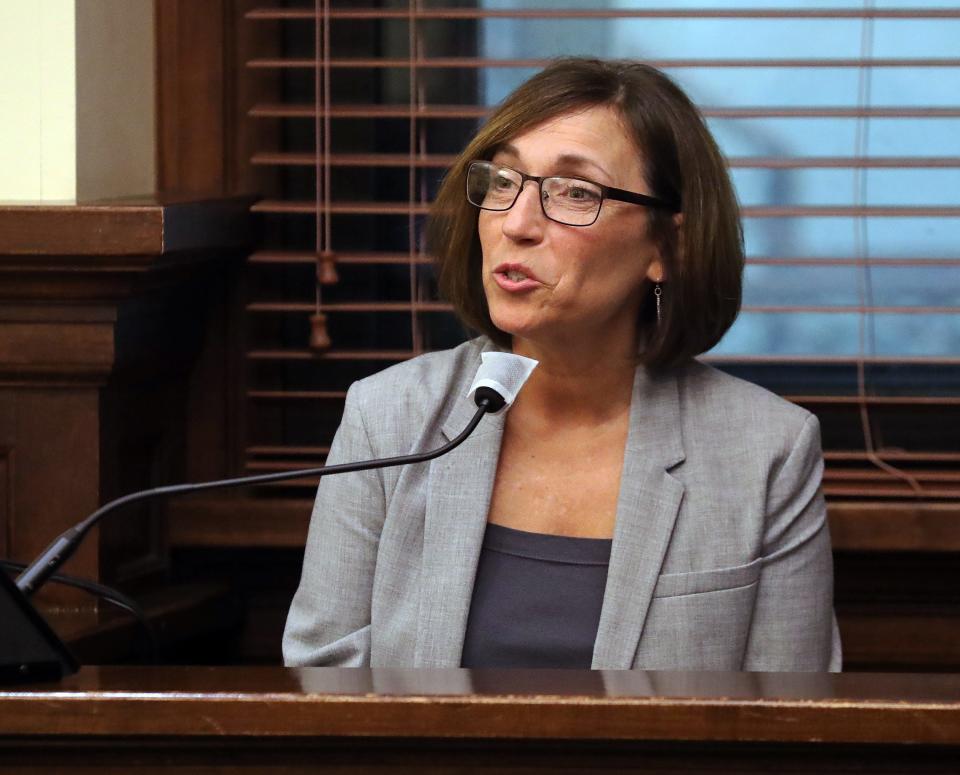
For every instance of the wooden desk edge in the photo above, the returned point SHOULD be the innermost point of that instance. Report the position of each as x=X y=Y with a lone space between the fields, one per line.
x=35 y=713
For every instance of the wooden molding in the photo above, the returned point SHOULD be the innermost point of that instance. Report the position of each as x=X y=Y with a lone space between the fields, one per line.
x=895 y=527
x=36 y=351
x=138 y=227
x=67 y=271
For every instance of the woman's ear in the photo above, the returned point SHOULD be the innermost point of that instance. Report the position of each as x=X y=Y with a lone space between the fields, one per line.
x=655 y=272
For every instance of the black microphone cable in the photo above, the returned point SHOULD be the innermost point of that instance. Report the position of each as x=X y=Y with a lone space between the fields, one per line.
x=62 y=548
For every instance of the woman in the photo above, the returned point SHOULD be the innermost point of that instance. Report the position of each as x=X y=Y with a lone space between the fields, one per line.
x=635 y=508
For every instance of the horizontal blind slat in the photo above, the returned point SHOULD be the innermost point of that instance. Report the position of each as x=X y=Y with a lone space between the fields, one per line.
x=347 y=257
x=428 y=111
x=354 y=306
x=422 y=208
x=418 y=14
x=280 y=158
x=469 y=63
x=342 y=257
x=400 y=355
x=425 y=306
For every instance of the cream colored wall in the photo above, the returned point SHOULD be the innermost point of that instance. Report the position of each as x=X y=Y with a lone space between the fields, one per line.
x=37 y=100
x=77 y=99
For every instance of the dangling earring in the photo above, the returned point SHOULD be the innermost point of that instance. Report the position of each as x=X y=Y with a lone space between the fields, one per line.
x=658 y=292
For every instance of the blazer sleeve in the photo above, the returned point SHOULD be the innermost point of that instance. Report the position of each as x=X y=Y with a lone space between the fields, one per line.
x=329 y=619
x=793 y=626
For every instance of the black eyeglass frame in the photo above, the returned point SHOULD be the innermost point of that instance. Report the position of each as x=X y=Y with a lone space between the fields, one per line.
x=606 y=192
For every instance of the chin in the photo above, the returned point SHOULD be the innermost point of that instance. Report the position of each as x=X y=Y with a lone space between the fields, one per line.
x=518 y=318
x=518 y=328
x=509 y=319
x=510 y=328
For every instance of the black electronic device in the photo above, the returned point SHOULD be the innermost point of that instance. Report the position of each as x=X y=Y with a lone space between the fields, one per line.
x=29 y=649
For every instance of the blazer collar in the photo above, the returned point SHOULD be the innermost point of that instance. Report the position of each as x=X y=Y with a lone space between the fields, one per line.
x=646 y=512
x=655 y=418
x=458 y=501
x=459 y=488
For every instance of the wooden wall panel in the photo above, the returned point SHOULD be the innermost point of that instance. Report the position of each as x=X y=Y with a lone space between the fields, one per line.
x=245 y=40
x=191 y=90
x=205 y=137
x=97 y=339
x=52 y=434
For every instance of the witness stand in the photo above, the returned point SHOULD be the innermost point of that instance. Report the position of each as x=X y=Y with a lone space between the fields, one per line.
x=271 y=720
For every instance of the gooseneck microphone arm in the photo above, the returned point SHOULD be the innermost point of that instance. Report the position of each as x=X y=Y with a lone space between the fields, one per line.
x=63 y=547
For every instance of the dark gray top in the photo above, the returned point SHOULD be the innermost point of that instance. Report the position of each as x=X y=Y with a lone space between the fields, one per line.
x=536 y=600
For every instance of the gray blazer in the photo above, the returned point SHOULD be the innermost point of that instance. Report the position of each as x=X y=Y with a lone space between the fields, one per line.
x=721 y=554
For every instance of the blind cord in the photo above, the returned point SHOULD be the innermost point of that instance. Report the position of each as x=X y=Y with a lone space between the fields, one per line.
x=862 y=250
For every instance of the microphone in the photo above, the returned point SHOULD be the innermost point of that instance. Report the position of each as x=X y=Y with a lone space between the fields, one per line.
x=501 y=375
x=494 y=389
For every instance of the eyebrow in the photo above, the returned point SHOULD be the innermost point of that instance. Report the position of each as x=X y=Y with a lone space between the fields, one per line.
x=564 y=160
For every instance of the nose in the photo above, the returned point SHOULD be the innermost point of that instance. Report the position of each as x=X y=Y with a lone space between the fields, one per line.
x=524 y=221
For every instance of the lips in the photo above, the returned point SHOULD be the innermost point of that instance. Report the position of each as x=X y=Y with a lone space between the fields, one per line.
x=515 y=278
x=516 y=270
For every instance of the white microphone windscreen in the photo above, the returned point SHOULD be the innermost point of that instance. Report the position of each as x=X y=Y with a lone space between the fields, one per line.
x=503 y=372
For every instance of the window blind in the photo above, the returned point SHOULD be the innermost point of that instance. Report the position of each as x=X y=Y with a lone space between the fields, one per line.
x=841 y=125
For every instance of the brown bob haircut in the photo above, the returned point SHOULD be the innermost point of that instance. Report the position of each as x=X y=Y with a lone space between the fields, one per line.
x=703 y=255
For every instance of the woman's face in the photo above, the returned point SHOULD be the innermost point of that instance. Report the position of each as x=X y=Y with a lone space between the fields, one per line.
x=548 y=281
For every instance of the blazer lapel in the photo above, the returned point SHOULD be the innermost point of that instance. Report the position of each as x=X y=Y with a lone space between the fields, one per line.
x=459 y=488
x=646 y=511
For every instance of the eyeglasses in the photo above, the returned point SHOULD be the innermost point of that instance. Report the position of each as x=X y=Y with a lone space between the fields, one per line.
x=571 y=201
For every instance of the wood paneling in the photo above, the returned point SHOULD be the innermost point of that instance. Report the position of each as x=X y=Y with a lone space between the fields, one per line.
x=205 y=139
x=191 y=110
x=102 y=308
x=116 y=322
x=53 y=436
x=244 y=90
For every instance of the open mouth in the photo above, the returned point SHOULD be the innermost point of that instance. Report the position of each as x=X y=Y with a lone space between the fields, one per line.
x=516 y=273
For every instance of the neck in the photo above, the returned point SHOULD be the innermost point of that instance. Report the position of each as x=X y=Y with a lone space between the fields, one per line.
x=590 y=383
